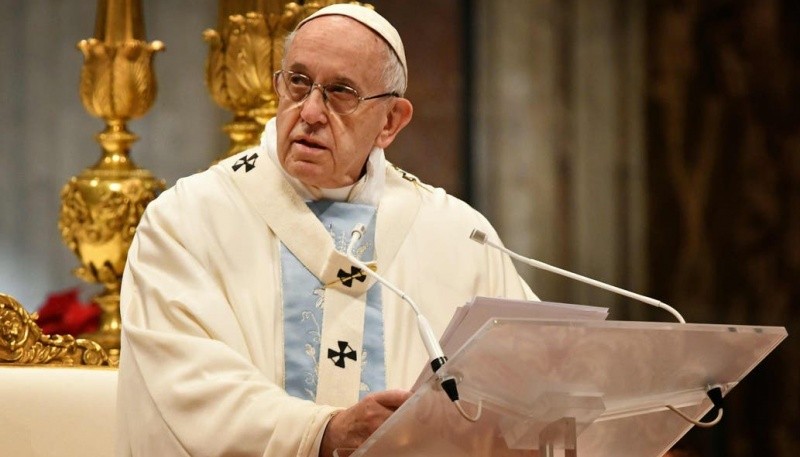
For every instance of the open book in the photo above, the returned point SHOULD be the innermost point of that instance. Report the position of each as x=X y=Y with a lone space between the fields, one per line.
x=468 y=319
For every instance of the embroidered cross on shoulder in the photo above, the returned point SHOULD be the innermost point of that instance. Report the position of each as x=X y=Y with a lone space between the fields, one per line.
x=347 y=278
x=406 y=175
x=344 y=352
x=249 y=162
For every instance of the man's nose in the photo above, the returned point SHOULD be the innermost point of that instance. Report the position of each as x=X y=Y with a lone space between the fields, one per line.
x=314 y=110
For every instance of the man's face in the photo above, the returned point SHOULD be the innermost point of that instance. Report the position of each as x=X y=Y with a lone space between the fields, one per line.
x=316 y=145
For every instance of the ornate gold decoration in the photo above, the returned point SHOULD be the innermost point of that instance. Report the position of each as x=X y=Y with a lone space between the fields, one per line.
x=22 y=342
x=244 y=51
x=101 y=207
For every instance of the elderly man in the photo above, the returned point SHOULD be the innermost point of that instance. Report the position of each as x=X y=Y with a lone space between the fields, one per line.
x=246 y=329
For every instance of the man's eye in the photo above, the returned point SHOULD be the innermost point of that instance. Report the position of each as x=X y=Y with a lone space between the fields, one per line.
x=299 y=80
x=339 y=89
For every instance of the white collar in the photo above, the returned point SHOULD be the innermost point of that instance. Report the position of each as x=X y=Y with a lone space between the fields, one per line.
x=366 y=190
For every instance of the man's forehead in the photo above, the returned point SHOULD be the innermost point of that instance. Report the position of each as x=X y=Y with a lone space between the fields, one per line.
x=336 y=34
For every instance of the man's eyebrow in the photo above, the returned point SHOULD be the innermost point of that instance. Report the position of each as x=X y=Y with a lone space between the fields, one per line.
x=300 y=68
x=344 y=81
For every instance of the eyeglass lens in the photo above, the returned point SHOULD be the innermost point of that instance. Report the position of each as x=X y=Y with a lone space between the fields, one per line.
x=339 y=98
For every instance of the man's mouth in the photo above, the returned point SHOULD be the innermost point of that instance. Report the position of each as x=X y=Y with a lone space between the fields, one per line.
x=309 y=143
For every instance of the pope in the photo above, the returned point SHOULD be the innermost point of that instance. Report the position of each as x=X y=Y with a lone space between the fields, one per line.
x=246 y=330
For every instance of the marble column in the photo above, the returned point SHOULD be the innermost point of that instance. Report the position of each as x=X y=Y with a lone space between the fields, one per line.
x=558 y=134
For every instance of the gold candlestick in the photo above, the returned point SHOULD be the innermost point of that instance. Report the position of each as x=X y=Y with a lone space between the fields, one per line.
x=244 y=51
x=101 y=207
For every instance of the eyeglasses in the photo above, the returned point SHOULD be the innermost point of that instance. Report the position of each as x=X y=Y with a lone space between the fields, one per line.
x=339 y=98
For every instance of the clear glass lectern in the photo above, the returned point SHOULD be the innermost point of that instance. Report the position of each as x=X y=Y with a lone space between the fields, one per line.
x=574 y=388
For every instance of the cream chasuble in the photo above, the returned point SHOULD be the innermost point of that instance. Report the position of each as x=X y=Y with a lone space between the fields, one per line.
x=203 y=367
x=299 y=229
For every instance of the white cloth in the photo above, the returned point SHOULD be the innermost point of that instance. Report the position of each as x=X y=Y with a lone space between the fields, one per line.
x=202 y=346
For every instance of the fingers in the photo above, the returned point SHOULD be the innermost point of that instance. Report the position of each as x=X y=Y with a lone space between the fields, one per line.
x=391 y=399
x=350 y=427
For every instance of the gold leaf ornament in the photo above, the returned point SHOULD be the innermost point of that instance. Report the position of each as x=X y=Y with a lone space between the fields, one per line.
x=116 y=79
x=23 y=343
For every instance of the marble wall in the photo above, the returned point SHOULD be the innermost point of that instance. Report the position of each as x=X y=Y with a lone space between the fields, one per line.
x=724 y=149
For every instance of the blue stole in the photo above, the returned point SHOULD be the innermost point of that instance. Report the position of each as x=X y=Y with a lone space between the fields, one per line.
x=303 y=305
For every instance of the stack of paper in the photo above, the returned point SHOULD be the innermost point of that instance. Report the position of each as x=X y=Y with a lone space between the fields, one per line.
x=470 y=318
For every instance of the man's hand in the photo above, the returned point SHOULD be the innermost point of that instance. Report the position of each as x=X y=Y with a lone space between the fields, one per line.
x=351 y=427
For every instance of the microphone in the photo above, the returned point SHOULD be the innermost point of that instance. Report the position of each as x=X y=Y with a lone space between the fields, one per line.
x=435 y=352
x=481 y=238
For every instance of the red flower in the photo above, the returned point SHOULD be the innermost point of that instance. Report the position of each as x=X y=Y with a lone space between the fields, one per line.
x=63 y=313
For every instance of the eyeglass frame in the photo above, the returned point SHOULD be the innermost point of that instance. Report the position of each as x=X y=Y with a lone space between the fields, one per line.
x=324 y=90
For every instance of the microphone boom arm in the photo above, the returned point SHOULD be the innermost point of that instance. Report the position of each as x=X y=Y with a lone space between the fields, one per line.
x=438 y=359
x=481 y=238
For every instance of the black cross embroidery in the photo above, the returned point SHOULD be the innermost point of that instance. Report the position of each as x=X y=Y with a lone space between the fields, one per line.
x=406 y=175
x=347 y=278
x=248 y=162
x=345 y=351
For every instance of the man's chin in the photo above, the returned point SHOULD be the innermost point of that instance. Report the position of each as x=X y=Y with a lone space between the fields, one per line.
x=309 y=174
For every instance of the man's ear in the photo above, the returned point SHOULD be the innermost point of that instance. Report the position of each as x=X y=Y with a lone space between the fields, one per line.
x=397 y=118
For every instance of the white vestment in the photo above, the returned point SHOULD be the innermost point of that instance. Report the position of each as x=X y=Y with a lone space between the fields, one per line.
x=202 y=368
